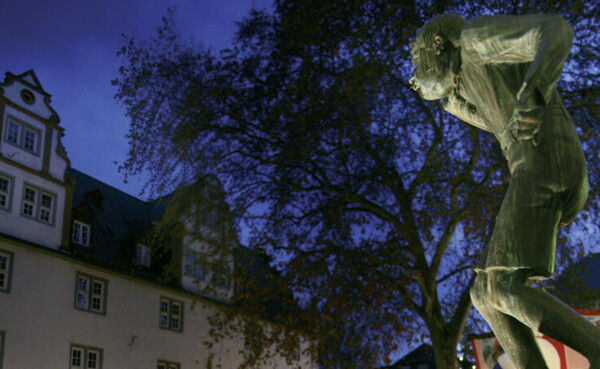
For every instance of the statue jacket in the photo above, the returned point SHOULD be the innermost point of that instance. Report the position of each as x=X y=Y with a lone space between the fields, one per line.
x=516 y=61
x=502 y=58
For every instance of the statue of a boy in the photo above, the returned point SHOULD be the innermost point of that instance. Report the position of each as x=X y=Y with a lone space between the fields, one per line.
x=498 y=73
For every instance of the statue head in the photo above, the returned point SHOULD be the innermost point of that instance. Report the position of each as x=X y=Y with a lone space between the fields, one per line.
x=435 y=56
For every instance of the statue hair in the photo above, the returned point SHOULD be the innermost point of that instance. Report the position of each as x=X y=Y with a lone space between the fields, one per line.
x=449 y=26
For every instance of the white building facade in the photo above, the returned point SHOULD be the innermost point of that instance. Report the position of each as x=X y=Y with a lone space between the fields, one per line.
x=78 y=286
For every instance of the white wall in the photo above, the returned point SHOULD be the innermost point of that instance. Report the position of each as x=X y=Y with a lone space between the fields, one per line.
x=40 y=321
x=39 y=108
x=17 y=154
x=15 y=224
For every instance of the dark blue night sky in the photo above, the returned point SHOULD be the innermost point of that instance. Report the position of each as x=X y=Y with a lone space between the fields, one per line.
x=72 y=45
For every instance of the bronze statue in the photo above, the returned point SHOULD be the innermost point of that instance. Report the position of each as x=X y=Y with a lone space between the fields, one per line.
x=498 y=73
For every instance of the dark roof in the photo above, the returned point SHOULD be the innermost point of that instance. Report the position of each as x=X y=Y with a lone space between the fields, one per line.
x=591 y=269
x=116 y=217
x=120 y=221
x=421 y=355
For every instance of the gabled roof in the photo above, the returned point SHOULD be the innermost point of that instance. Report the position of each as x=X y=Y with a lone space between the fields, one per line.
x=28 y=78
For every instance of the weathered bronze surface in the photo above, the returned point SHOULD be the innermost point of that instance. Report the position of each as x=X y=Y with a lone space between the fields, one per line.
x=498 y=73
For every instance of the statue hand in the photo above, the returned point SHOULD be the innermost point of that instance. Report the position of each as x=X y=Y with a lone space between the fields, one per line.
x=526 y=122
x=527 y=115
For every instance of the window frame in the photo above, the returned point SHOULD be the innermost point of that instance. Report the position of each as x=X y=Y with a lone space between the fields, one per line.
x=21 y=139
x=222 y=277
x=8 y=273
x=9 y=191
x=169 y=314
x=37 y=204
x=145 y=258
x=89 y=293
x=292 y=354
x=2 y=339
x=196 y=265
x=85 y=359
x=164 y=364
x=78 y=240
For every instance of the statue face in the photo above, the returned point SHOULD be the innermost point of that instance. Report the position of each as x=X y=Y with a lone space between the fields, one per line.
x=433 y=78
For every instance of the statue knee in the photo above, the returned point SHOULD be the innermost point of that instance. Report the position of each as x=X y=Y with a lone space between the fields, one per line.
x=503 y=288
x=479 y=292
x=496 y=289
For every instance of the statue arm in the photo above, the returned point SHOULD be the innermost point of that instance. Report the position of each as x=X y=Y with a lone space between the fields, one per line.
x=463 y=110
x=541 y=40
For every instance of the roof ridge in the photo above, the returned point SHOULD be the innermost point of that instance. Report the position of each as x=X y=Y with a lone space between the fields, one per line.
x=113 y=188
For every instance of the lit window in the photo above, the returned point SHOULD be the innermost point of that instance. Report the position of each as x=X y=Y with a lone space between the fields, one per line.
x=30 y=139
x=90 y=293
x=38 y=204
x=84 y=357
x=171 y=314
x=142 y=255
x=5 y=270
x=46 y=207
x=193 y=266
x=81 y=233
x=162 y=364
x=13 y=132
x=4 y=192
x=22 y=135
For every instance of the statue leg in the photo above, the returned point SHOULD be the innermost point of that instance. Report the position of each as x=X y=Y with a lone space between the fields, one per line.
x=540 y=311
x=516 y=338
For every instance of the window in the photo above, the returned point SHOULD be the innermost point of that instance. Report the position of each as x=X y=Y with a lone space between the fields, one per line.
x=2 y=338
x=193 y=265
x=29 y=200
x=22 y=135
x=81 y=233
x=27 y=96
x=222 y=277
x=84 y=357
x=5 y=192
x=142 y=256
x=292 y=353
x=171 y=314
x=13 y=132
x=162 y=364
x=38 y=204
x=6 y=258
x=29 y=139
x=46 y=207
x=90 y=293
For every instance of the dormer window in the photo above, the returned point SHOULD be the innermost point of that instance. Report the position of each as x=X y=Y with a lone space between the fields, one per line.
x=193 y=265
x=81 y=233
x=22 y=135
x=142 y=255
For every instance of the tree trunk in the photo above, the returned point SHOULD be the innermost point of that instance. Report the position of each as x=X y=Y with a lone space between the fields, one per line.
x=445 y=334
x=444 y=349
